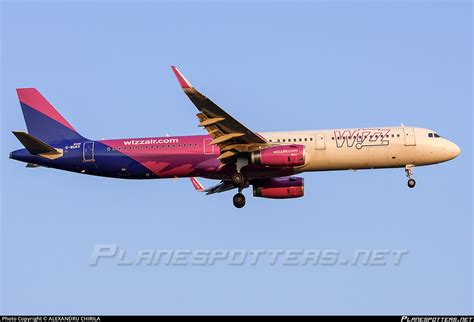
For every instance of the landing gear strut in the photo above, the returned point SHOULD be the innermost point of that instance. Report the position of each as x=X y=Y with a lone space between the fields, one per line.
x=409 y=173
x=239 y=200
x=238 y=178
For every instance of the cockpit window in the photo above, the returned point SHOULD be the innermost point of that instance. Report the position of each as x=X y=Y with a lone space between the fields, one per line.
x=433 y=135
x=430 y=135
x=436 y=135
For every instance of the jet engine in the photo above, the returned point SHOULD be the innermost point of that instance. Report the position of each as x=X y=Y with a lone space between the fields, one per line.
x=279 y=156
x=279 y=188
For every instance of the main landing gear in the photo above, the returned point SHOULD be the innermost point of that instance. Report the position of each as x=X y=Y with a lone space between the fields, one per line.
x=238 y=178
x=409 y=173
x=239 y=200
x=239 y=181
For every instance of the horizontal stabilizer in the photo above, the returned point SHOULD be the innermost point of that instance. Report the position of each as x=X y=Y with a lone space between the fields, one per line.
x=37 y=147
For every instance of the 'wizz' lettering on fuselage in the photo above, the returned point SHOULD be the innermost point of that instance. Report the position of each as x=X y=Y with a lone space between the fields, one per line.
x=361 y=137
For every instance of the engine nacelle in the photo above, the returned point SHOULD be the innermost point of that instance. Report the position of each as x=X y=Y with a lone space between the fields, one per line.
x=279 y=156
x=280 y=188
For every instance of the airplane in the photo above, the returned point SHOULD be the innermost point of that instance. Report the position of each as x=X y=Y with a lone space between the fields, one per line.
x=230 y=152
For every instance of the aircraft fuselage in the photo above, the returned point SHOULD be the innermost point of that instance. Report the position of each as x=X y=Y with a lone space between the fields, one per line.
x=194 y=156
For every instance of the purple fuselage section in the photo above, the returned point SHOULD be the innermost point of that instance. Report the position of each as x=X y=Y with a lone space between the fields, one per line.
x=147 y=158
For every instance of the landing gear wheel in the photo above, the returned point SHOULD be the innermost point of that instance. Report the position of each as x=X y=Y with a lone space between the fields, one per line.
x=411 y=183
x=239 y=200
x=238 y=179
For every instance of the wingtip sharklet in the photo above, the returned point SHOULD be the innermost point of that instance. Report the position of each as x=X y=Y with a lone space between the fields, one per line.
x=197 y=185
x=181 y=79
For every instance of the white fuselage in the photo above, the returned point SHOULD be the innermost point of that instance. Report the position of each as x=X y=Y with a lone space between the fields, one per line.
x=366 y=148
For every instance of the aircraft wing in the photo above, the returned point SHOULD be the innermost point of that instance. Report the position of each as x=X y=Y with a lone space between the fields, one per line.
x=230 y=135
x=220 y=187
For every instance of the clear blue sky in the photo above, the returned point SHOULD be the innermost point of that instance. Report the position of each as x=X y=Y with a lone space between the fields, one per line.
x=274 y=66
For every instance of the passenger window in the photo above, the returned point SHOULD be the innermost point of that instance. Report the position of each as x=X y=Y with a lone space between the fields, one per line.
x=398 y=135
x=311 y=139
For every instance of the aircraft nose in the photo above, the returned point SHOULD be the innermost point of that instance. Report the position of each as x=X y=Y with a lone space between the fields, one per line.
x=453 y=150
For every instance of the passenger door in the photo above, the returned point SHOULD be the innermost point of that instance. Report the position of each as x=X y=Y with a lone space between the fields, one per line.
x=409 y=136
x=320 y=141
x=88 y=152
x=208 y=148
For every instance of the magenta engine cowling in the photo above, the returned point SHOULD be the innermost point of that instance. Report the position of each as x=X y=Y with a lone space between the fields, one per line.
x=280 y=156
x=280 y=188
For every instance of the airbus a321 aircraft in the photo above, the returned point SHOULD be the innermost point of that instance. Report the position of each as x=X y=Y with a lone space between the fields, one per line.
x=230 y=152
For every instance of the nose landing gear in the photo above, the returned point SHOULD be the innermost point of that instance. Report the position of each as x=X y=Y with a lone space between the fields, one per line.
x=409 y=173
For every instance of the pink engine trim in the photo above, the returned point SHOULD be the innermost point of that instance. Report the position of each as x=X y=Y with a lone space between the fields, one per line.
x=280 y=188
x=280 y=156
